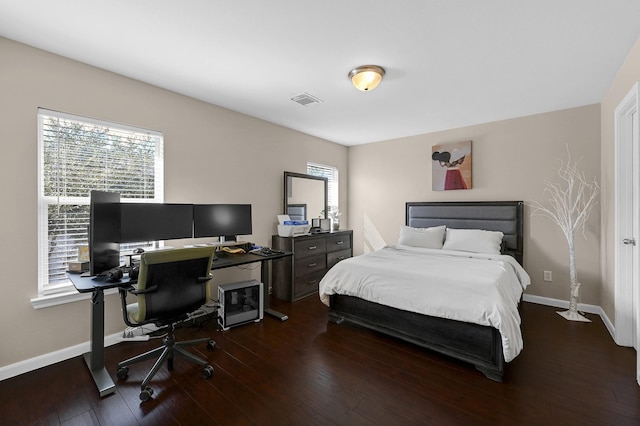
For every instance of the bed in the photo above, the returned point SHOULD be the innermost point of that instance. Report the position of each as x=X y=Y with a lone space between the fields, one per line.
x=486 y=339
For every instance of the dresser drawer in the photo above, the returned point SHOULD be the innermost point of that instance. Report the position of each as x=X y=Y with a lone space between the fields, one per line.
x=310 y=247
x=338 y=242
x=306 y=265
x=307 y=285
x=337 y=256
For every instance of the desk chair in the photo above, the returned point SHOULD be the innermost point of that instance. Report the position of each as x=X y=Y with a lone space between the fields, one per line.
x=171 y=284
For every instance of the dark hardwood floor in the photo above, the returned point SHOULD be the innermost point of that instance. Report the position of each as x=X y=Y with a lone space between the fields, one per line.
x=306 y=371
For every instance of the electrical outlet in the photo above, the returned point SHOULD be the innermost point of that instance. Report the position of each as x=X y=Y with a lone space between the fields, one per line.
x=548 y=276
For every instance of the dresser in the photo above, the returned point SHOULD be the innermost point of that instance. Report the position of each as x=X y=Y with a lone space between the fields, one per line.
x=298 y=276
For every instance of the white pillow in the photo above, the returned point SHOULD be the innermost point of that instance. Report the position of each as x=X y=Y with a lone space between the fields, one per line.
x=422 y=237
x=473 y=240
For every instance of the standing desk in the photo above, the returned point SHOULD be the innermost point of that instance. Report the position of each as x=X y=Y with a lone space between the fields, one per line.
x=95 y=357
x=97 y=285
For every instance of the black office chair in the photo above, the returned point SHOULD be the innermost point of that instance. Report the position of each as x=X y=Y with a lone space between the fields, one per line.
x=171 y=285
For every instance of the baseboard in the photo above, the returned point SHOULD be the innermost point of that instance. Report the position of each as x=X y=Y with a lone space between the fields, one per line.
x=564 y=304
x=31 y=364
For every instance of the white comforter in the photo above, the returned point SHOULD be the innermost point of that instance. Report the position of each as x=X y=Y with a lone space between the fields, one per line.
x=462 y=286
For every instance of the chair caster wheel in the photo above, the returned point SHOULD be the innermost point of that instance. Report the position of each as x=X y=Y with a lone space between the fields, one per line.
x=122 y=372
x=146 y=394
x=211 y=344
x=207 y=372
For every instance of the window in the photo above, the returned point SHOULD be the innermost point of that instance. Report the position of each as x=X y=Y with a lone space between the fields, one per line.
x=331 y=173
x=78 y=154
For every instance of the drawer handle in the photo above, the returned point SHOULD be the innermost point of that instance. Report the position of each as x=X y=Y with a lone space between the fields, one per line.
x=311 y=265
x=312 y=282
x=340 y=242
x=313 y=247
x=341 y=258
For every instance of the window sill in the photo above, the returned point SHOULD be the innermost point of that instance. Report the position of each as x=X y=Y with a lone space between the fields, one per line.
x=63 y=298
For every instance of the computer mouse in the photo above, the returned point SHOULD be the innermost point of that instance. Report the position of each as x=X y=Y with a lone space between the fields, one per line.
x=138 y=250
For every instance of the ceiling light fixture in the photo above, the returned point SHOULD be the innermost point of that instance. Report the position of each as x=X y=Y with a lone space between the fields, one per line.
x=366 y=77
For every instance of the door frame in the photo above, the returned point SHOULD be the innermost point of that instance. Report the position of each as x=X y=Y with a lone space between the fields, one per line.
x=624 y=116
x=626 y=258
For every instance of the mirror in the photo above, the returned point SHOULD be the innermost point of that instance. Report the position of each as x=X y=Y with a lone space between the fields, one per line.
x=305 y=196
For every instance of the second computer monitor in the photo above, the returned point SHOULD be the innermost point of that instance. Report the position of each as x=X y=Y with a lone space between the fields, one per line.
x=222 y=220
x=155 y=221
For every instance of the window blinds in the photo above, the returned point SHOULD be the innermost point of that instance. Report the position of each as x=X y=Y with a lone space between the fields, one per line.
x=78 y=154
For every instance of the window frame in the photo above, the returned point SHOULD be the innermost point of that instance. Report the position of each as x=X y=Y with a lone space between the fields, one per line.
x=51 y=294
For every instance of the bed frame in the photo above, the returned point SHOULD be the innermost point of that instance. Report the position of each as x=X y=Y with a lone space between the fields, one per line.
x=472 y=343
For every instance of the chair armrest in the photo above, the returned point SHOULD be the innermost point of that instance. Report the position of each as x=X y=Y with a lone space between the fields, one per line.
x=123 y=300
x=205 y=279
x=151 y=289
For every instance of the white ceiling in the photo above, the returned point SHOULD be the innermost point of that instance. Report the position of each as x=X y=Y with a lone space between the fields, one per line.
x=449 y=63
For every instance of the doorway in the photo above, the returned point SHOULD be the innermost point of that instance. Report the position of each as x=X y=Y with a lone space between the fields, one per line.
x=627 y=225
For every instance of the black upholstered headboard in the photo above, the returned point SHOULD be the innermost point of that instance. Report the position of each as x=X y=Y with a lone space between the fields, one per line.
x=505 y=216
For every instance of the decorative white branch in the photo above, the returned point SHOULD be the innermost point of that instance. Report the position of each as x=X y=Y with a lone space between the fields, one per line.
x=571 y=202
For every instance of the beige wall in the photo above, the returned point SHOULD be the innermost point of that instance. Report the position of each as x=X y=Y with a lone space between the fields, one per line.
x=511 y=161
x=212 y=155
x=627 y=76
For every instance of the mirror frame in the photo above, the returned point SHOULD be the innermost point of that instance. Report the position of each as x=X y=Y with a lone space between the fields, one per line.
x=289 y=175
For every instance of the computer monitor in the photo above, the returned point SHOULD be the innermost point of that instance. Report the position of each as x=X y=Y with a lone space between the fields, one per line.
x=104 y=230
x=222 y=220
x=155 y=221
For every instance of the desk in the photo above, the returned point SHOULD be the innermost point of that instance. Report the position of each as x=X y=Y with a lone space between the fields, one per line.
x=96 y=285
x=95 y=357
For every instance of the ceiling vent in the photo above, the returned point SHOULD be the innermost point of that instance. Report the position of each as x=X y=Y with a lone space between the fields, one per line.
x=305 y=99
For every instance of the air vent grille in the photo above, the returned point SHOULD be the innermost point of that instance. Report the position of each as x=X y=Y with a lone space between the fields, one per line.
x=305 y=99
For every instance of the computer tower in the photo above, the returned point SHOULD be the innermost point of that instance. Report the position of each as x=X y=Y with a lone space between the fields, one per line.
x=240 y=303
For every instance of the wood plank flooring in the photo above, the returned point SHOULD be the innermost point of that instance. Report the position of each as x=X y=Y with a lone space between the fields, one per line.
x=306 y=371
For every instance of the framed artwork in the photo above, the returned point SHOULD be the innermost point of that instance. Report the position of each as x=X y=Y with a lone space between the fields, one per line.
x=451 y=166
